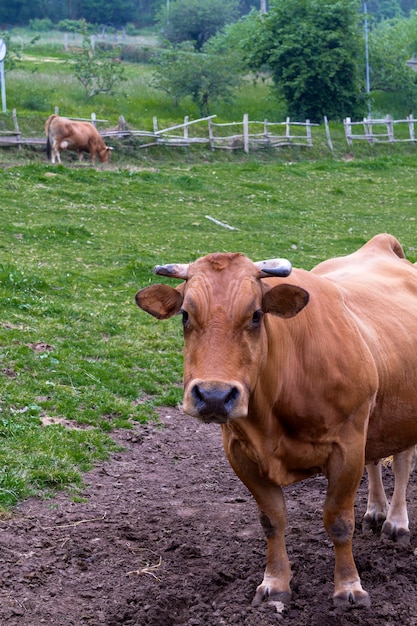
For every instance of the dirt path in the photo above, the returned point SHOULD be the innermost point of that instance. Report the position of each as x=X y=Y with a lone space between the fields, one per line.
x=167 y=535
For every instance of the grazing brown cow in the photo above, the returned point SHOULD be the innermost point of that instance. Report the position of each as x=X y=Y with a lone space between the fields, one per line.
x=65 y=134
x=316 y=373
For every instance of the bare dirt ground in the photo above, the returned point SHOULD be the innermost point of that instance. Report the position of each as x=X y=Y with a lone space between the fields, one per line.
x=167 y=535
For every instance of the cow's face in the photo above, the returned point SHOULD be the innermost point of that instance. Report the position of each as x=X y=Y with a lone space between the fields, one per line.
x=223 y=303
x=104 y=154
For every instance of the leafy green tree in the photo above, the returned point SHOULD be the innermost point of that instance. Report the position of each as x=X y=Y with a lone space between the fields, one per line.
x=196 y=21
x=235 y=40
x=98 y=71
x=384 y=9
x=313 y=50
x=391 y=44
x=114 y=12
x=203 y=76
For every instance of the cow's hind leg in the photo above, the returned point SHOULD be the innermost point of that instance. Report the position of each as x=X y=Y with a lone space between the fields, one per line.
x=275 y=586
x=396 y=525
x=376 y=511
x=392 y=518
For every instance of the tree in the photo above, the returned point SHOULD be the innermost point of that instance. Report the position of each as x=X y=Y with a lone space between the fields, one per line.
x=196 y=21
x=313 y=50
x=391 y=44
x=114 y=12
x=98 y=71
x=203 y=76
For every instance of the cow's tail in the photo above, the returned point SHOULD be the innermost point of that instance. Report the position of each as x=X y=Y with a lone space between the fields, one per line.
x=48 y=138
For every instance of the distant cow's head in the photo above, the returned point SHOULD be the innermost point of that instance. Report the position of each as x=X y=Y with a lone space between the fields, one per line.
x=223 y=301
x=104 y=154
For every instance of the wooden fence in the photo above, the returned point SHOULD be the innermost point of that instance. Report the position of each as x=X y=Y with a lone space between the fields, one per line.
x=244 y=135
x=384 y=130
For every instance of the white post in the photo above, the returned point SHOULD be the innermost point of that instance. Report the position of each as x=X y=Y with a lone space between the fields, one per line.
x=246 y=133
x=211 y=134
x=3 y=86
x=186 y=128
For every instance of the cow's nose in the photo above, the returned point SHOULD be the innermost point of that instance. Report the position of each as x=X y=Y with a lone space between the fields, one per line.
x=214 y=401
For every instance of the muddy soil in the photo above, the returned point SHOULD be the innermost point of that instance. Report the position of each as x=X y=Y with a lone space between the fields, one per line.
x=167 y=535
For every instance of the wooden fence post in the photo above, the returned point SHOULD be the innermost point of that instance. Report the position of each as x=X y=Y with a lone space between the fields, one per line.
x=93 y=119
x=246 y=133
x=329 y=139
x=411 y=127
x=367 y=127
x=347 y=123
x=211 y=134
x=390 y=129
x=186 y=128
x=266 y=132
x=288 y=130
x=308 y=132
x=16 y=127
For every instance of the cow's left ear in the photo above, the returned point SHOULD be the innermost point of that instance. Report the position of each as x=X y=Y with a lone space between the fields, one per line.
x=285 y=300
x=161 y=301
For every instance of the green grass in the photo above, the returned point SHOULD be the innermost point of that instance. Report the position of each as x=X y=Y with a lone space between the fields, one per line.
x=77 y=357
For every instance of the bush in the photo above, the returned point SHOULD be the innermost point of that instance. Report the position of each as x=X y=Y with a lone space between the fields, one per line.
x=40 y=26
x=75 y=26
x=136 y=54
x=131 y=30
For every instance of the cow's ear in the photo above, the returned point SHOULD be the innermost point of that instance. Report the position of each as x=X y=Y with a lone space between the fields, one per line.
x=161 y=301
x=285 y=300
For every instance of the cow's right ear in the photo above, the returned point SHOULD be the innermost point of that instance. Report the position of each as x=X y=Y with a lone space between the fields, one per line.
x=161 y=301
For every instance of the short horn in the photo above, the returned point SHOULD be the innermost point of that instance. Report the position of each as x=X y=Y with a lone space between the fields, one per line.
x=274 y=267
x=174 y=270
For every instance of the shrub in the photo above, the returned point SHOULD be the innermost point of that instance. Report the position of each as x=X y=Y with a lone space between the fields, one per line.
x=136 y=54
x=40 y=25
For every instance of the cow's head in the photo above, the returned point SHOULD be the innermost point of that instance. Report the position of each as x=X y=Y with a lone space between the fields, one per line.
x=104 y=154
x=223 y=301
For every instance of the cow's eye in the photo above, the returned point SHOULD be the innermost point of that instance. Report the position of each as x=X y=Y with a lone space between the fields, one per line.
x=185 y=318
x=256 y=319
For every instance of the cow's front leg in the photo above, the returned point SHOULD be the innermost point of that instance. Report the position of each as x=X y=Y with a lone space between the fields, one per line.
x=344 y=473
x=275 y=585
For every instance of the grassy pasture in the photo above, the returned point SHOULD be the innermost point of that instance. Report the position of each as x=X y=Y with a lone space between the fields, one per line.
x=77 y=357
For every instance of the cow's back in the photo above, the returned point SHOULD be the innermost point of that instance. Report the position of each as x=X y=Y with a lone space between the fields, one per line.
x=378 y=287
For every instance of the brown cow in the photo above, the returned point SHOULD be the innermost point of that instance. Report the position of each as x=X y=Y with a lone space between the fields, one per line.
x=65 y=134
x=317 y=374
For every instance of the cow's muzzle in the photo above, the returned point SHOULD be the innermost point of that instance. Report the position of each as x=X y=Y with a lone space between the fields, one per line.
x=214 y=401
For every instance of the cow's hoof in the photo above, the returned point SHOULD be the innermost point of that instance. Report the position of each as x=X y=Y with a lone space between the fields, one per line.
x=264 y=592
x=372 y=522
x=345 y=599
x=390 y=532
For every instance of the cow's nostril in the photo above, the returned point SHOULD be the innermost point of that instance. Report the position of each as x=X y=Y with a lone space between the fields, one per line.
x=215 y=400
x=231 y=398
